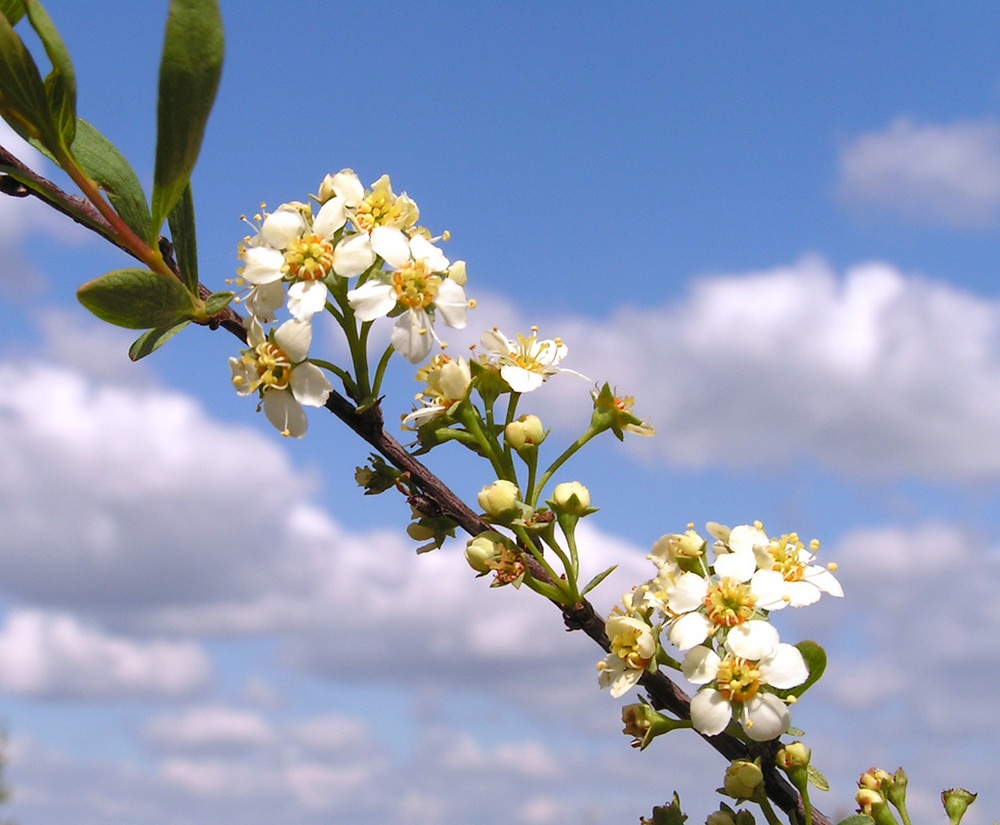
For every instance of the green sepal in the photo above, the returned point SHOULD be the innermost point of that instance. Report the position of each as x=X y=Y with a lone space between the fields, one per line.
x=60 y=83
x=817 y=779
x=190 y=69
x=857 y=819
x=182 y=235
x=13 y=10
x=23 y=102
x=669 y=813
x=102 y=162
x=137 y=299
x=597 y=580
x=153 y=339
x=217 y=301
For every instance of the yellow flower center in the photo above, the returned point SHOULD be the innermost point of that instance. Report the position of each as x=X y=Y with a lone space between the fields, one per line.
x=382 y=208
x=273 y=367
x=784 y=553
x=625 y=645
x=738 y=679
x=309 y=258
x=527 y=355
x=729 y=603
x=416 y=286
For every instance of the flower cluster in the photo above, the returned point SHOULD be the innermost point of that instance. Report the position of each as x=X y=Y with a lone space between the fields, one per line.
x=304 y=259
x=717 y=614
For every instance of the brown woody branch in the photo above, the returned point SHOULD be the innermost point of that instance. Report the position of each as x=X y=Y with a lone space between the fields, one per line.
x=368 y=425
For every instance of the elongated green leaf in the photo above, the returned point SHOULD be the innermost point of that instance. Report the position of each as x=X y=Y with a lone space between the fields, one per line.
x=99 y=158
x=815 y=659
x=597 y=580
x=218 y=301
x=152 y=340
x=182 y=234
x=60 y=84
x=189 y=77
x=137 y=299
x=857 y=819
x=13 y=10
x=23 y=103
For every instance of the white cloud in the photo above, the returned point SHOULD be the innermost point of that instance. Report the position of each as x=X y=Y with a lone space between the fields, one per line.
x=210 y=727
x=870 y=372
x=929 y=173
x=54 y=654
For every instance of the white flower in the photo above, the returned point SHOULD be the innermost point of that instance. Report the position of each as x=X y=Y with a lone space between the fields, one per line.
x=633 y=648
x=526 y=364
x=422 y=287
x=701 y=606
x=448 y=382
x=277 y=369
x=780 y=568
x=737 y=689
x=382 y=219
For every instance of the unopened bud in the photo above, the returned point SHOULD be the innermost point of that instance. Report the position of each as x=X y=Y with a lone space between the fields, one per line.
x=482 y=550
x=526 y=431
x=956 y=801
x=571 y=497
x=500 y=497
x=743 y=778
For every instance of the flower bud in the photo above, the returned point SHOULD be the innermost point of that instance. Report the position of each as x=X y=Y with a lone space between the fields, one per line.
x=742 y=779
x=795 y=755
x=500 y=497
x=483 y=549
x=721 y=817
x=571 y=497
x=526 y=431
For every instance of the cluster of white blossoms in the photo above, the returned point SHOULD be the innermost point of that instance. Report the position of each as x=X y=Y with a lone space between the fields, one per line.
x=303 y=260
x=717 y=616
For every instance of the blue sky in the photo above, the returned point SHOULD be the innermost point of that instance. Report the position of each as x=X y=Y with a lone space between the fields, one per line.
x=775 y=225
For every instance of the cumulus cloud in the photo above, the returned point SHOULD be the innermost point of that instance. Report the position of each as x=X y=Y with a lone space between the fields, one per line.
x=871 y=372
x=947 y=174
x=55 y=655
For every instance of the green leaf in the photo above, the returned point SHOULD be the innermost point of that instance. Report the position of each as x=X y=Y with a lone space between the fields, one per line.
x=154 y=339
x=217 y=301
x=137 y=299
x=23 y=102
x=182 y=234
x=857 y=819
x=815 y=659
x=13 y=10
x=60 y=84
x=817 y=779
x=597 y=580
x=189 y=76
x=99 y=158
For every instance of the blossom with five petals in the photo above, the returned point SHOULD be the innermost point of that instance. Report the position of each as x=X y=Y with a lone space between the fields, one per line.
x=275 y=366
x=527 y=363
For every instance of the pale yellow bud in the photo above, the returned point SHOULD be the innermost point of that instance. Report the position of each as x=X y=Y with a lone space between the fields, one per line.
x=457 y=273
x=500 y=497
x=571 y=497
x=525 y=431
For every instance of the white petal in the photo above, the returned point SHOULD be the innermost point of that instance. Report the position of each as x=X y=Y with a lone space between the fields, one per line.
x=372 y=300
x=625 y=682
x=785 y=669
x=801 y=594
x=331 y=216
x=391 y=244
x=736 y=566
x=824 y=580
x=242 y=377
x=293 y=338
x=282 y=226
x=347 y=185
x=264 y=301
x=421 y=248
x=310 y=385
x=768 y=715
x=520 y=379
x=496 y=342
x=689 y=630
x=451 y=304
x=770 y=588
x=700 y=665
x=710 y=712
x=353 y=255
x=284 y=412
x=306 y=298
x=411 y=336
x=752 y=640
x=744 y=538
x=262 y=265
x=688 y=593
